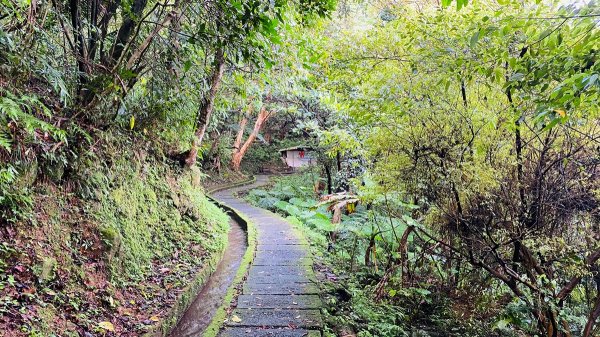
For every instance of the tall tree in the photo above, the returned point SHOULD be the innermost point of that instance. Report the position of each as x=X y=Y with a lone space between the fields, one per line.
x=206 y=106
x=238 y=154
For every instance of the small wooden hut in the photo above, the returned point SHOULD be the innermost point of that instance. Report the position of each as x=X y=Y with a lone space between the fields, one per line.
x=298 y=156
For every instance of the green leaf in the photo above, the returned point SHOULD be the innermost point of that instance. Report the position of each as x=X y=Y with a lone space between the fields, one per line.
x=108 y=326
x=516 y=77
x=544 y=34
x=421 y=291
x=552 y=124
x=5 y=142
x=187 y=65
x=302 y=202
x=322 y=224
x=502 y=324
x=474 y=39
x=282 y=205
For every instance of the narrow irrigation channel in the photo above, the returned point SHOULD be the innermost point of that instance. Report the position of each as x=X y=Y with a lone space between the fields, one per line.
x=200 y=313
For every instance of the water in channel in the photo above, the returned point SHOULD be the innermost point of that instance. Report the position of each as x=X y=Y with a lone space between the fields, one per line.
x=200 y=313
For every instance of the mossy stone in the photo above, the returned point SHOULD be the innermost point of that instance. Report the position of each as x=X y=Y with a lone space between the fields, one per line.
x=53 y=170
x=195 y=176
x=113 y=240
x=27 y=174
x=47 y=270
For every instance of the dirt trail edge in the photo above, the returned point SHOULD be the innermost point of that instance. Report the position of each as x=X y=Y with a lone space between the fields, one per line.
x=279 y=296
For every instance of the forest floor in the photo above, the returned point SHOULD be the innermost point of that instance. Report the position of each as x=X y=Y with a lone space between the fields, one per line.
x=224 y=178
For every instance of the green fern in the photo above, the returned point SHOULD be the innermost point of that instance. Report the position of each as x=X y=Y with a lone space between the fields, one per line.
x=20 y=111
x=5 y=141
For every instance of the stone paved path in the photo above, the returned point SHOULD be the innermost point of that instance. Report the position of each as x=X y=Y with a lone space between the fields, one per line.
x=279 y=297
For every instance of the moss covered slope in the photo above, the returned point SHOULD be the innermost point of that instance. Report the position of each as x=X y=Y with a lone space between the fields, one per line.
x=111 y=250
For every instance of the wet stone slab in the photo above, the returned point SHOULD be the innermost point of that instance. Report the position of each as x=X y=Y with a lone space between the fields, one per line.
x=273 y=239
x=279 y=302
x=260 y=332
x=307 y=319
x=281 y=261
x=281 y=279
x=272 y=247
x=287 y=253
x=251 y=288
x=267 y=234
x=281 y=241
x=303 y=270
x=274 y=226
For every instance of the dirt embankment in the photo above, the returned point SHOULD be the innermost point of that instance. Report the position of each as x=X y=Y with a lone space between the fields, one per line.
x=109 y=254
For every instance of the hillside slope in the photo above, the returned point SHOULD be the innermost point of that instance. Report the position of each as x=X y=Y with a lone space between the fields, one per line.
x=106 y=251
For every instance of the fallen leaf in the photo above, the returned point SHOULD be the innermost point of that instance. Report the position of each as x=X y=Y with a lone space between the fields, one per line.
x=235 y=319
x=155 y=318
x=561 y=112
x=108 y=326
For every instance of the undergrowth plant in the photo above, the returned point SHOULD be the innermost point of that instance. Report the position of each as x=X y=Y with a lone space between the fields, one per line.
x=360 y=249
x=22 y=125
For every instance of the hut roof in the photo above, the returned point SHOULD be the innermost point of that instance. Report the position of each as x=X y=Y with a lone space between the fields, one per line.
x=297 y=147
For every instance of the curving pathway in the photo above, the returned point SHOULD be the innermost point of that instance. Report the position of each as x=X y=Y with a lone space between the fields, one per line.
x=279 y=296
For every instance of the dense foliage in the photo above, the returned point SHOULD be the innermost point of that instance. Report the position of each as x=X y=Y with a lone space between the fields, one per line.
x=485 y=120
x=474 y=133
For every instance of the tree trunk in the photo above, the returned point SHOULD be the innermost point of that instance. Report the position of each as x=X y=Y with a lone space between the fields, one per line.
x=403 y=250
x=214 y=145
x=329 y=180
x=262 y=117
x=139 y=52
x=240 y=134
x=206 y=107
x=125 y=31
x=593 y=317
x=80 y=54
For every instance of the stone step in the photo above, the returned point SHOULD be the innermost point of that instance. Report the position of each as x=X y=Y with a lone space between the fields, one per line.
x=269 y=318
x=279 y=301
x=281 y=270
x=251 y=288
x=281 y=261
x=290 y=253
x=272 y=223
x=260 y=332
x=281 y=279
x=274 y=247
